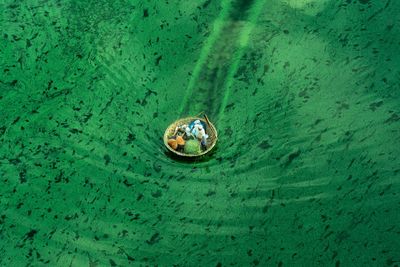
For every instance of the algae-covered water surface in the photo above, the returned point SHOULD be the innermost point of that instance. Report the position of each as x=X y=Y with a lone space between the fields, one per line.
x=305 y=96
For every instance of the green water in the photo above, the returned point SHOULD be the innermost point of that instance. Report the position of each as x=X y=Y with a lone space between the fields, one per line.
x=305 y=96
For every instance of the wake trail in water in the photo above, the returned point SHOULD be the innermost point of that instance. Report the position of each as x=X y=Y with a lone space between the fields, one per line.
x=208 y=90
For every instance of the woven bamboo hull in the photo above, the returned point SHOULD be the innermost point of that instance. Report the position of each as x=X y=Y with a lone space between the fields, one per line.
x=210 y=130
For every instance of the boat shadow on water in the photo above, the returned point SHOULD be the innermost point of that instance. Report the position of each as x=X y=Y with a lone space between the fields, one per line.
x=203 y=158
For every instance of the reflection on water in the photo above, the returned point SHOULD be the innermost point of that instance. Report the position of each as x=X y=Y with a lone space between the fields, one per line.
x=304 y=95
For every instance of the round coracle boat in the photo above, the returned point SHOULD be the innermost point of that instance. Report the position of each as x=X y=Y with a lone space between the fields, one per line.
x=191 y=136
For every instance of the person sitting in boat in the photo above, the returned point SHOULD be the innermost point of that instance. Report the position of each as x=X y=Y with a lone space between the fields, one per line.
x=199 y=132
x=197 y=122
x=195 y=129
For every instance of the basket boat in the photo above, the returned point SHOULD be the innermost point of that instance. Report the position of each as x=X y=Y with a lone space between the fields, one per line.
x=210 y=130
